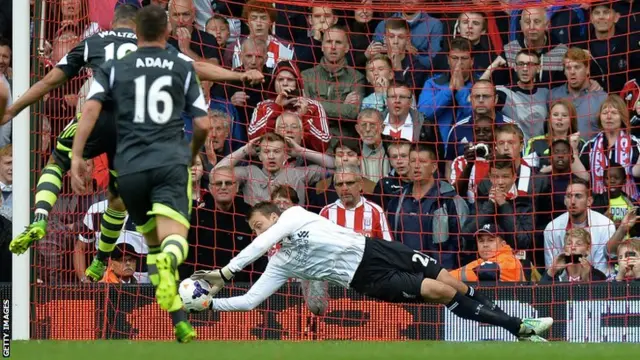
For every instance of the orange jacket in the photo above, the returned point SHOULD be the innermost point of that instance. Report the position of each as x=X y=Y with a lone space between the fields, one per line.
x=510 y=267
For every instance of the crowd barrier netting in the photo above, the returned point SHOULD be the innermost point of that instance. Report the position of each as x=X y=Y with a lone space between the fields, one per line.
x=64 y=309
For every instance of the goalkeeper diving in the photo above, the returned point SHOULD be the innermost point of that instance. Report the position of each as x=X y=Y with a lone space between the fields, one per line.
x=314 y=248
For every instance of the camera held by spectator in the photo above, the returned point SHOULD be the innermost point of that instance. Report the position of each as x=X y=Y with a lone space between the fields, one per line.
x=572 y=264
x=628 y=267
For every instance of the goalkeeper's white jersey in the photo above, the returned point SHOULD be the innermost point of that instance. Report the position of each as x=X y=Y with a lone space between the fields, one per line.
x=311 y=248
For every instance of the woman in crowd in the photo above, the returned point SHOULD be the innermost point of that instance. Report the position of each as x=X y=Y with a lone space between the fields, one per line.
x=613 y=144
x=562 y=124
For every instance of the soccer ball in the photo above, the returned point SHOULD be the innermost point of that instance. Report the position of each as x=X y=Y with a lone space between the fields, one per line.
x=195 y=294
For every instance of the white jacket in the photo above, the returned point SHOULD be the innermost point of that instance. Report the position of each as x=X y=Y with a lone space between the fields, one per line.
x=601 y=229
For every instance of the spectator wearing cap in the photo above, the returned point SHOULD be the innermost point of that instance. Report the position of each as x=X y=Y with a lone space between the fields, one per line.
x=578 y=201
x=123 y=265
x=496 y=261
x=506 y=205
x=572 y=262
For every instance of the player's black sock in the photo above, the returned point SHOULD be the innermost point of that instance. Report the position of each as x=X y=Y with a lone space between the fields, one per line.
x=110 y=228
x=477 y=296
x=47 y=190
x=178 y=315
x=152 y=270
x=177 y=246
x=470 y=309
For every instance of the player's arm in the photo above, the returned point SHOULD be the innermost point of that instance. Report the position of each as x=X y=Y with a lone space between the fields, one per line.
x=68 y=67
x=269 y=282
x=282 y=228
x=209 y=72
x=197 y=108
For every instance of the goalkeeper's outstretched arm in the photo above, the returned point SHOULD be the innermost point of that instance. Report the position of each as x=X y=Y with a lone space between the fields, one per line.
x=270 y=281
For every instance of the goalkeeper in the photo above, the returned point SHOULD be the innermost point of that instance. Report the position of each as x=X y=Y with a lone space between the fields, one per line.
x=314 y=248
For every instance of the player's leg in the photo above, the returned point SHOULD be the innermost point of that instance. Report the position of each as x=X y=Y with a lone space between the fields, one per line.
x=139 y=204
x=438 y=286
x=467 y=290
x=434 y=291
x=111 y=222
x=315 y=295
x=47 y=190
x=171 y=198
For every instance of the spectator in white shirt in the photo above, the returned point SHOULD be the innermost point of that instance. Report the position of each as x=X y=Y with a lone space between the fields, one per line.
x=578 y=201
x=352 y=210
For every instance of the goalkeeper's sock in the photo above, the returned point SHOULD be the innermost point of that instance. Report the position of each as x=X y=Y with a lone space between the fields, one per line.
x=477 y=296
x=47 y=191
x=467 y=308
x=152 y=270
x=177 y=246
x=110 y=228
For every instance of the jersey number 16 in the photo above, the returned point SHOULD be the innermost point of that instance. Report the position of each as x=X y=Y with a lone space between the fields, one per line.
x=148 y=102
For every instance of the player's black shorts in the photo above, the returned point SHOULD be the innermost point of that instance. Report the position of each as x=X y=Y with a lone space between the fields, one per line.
x=101 y=140
x=393 y=272
x=162 y=191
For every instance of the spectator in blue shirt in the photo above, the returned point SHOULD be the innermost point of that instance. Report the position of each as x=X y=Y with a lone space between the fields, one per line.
x=445 y=98
x=426 y=33
x=428 y=214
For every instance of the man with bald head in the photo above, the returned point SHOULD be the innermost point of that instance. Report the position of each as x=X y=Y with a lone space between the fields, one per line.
x=536 y=37
x=218 y=229
x=194 y=43
x=242 y=95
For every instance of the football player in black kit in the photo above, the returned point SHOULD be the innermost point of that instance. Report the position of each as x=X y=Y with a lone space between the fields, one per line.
x=92 y=52
x=147 y=91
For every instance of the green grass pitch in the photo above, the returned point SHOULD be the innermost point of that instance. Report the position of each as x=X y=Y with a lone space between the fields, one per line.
x=326 y=350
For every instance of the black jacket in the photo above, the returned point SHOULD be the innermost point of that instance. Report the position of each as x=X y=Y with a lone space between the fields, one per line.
x=216 y=237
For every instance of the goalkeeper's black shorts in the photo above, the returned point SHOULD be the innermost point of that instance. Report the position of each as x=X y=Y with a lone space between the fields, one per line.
x=393 y=272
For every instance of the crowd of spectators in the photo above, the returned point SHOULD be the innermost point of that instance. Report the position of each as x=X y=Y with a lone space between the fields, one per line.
x=500 y=141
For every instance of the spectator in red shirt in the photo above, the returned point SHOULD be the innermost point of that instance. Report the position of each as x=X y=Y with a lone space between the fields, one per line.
x=469 y=169
x=352 y=210
x=287 y=92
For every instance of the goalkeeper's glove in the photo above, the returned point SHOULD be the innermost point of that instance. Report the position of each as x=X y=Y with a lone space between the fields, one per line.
x=216 y=278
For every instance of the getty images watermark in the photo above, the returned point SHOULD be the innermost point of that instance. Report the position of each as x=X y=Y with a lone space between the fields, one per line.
x=6 y=328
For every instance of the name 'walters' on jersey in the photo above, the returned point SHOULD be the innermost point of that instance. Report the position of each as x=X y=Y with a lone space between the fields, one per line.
x=150 y=88
x=97 y=49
